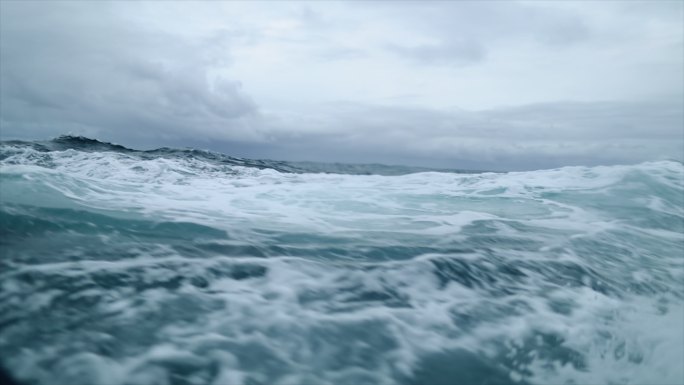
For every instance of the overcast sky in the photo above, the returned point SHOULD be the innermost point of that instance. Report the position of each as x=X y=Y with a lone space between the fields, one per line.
x=491 y=85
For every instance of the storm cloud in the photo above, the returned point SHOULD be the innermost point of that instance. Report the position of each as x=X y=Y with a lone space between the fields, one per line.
x=82 y=68
x=493 y=85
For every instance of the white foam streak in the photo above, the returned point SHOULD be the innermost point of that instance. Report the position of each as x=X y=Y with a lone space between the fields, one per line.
x=424 y=203
x=294 y=313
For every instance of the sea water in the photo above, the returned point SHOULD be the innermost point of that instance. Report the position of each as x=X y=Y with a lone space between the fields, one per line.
x=191 y=267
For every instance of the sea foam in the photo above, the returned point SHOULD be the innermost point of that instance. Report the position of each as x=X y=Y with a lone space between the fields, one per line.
x=190 y=267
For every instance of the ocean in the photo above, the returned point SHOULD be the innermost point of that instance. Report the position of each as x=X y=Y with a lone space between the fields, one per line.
x=182 y=266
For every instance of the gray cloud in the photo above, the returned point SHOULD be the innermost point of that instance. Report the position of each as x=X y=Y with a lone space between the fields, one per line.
x=646 y=120
x=523 y=137
x=104 y=70
x=115 y=79
x=467 y=30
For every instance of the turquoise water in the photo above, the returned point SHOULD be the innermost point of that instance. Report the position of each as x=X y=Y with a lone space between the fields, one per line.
x=191 y=267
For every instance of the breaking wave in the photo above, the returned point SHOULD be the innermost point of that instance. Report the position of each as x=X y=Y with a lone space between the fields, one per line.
x=191 y=267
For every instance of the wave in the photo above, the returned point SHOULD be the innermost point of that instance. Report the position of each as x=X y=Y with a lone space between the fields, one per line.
x=80 y=143
x=183 y=266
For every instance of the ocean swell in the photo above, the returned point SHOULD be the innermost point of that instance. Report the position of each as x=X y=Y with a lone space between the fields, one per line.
x=190 y=267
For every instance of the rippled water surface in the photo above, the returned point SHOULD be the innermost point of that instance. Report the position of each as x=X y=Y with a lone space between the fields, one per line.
x=189 y=267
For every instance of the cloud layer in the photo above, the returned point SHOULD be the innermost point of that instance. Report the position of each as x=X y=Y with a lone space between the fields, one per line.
x=69 y=69
x=453 y=84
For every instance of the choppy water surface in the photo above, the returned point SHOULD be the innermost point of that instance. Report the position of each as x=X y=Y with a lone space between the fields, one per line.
x=190 y=267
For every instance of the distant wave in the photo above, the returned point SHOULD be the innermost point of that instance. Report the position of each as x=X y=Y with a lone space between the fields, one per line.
x=80 y=143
